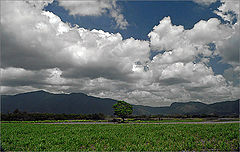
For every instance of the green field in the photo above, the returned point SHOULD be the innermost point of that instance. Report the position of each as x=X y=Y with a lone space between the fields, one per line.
x=119 y=137
x=129 y=120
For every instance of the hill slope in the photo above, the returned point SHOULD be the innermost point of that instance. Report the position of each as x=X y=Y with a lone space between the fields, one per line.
x=44 y=102
x=41 y=101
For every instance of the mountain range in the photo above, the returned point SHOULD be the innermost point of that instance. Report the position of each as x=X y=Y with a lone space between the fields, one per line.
x=45 y=102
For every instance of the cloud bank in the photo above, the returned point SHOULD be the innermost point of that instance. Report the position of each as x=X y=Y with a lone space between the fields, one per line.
x=39 y=51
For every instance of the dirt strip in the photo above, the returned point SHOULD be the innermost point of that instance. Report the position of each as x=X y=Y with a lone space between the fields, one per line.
x=205 y=122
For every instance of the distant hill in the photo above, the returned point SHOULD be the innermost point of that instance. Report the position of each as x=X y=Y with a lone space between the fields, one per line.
x=219 y=108
x=41 y=101
x=45 y=102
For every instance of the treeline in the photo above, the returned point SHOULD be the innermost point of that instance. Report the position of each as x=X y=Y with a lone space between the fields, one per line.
x=182 y=116
x=24 y=116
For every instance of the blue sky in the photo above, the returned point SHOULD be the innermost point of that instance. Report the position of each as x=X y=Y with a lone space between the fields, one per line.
x=144 y=52
x=142 y=16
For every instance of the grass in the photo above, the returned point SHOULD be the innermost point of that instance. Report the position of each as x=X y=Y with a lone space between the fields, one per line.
x=54 y=121
x=168 y=120
x=183 y=120
x=119 y=137
x=130 y=120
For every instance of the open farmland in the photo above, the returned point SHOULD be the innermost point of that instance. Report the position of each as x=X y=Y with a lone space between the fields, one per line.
x=119 y=137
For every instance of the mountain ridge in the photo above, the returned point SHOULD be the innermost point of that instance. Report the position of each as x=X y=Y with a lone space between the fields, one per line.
x=46 y=102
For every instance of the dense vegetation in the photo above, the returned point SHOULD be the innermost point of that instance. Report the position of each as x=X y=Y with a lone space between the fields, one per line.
x=122 y=109
x=24 y=116
x=119 y=137
x=17 y=115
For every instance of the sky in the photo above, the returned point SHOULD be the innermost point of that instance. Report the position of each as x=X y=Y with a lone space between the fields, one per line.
x=149 y=53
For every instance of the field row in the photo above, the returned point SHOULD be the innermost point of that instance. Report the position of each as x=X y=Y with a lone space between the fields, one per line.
x=119 y=137
x=163 y=120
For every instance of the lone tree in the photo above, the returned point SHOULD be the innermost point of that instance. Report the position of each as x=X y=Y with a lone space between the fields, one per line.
x=122 y=109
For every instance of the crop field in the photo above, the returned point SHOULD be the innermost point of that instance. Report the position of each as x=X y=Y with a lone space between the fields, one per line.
x=119 y=137
x=129 y=120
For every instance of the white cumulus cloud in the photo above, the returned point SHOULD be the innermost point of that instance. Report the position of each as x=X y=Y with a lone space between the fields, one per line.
x=95 y=8
x=39 y=51
x=205 y=2
x=229 y=10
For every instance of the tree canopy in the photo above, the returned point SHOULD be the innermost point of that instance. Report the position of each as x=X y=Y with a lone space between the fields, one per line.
x=122 y=109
